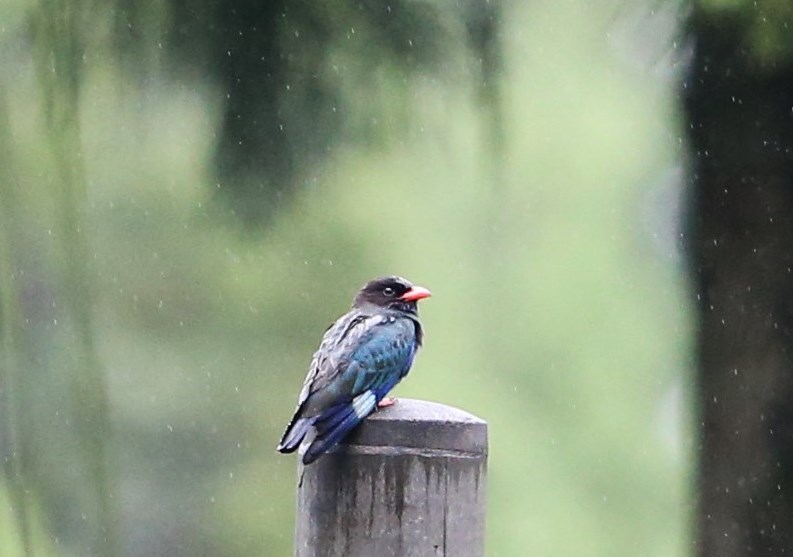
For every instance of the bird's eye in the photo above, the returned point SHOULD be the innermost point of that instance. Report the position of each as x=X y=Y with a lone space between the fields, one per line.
x=388 y=291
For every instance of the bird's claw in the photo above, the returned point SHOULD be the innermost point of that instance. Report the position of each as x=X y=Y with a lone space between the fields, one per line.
x=386 y=402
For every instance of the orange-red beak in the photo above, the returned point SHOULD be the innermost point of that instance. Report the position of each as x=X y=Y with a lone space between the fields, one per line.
x=415 y=293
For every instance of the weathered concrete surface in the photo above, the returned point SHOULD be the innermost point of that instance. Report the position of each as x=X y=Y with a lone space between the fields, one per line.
x=410 y=481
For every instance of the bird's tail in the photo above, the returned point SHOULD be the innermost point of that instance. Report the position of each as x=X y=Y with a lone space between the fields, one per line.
x=294 y=434
x=335 y=423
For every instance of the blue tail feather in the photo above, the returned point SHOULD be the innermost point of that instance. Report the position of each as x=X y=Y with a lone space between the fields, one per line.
x=294 y=434
x=330 y=418
x=333 y=428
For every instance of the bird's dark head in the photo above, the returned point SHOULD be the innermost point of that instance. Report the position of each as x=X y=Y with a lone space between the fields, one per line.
x=391 y=292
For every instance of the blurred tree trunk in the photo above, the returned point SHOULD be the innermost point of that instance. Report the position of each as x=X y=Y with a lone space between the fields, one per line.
x=65 y=39
x=739 y=109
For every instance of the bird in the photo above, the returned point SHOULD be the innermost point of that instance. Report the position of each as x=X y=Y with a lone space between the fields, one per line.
x=361 y=357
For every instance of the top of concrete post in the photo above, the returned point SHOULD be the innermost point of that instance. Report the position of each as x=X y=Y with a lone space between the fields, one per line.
x=422 y=425
x=409 y=480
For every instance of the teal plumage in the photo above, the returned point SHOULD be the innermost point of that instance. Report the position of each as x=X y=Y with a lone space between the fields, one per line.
x=362 y=356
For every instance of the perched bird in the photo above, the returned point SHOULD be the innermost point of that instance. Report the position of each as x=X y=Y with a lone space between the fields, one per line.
x=362 y=356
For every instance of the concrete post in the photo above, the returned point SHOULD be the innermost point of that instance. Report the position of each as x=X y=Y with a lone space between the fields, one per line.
x=408 y=482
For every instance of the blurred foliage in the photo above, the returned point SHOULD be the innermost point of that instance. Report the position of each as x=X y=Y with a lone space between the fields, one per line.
x=762 y=27
x=282 y=70
x=522 y=170
x=13 y=541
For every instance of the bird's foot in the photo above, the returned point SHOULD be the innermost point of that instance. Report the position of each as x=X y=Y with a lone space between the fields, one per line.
x=386 y=402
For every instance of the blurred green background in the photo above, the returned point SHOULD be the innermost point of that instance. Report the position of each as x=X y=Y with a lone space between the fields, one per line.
x=165 y=276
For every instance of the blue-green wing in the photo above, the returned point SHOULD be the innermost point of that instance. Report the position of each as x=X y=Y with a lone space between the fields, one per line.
x=367 y=367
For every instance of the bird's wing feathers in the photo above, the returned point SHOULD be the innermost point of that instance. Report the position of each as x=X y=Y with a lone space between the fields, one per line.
x=322 y=369
x=362 y=356
x=370 y=368
x=373 y=353
x=336 y=343
x=383 y=358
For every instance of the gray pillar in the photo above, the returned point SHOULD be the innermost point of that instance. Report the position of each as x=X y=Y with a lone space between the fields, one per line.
x=409 y=481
